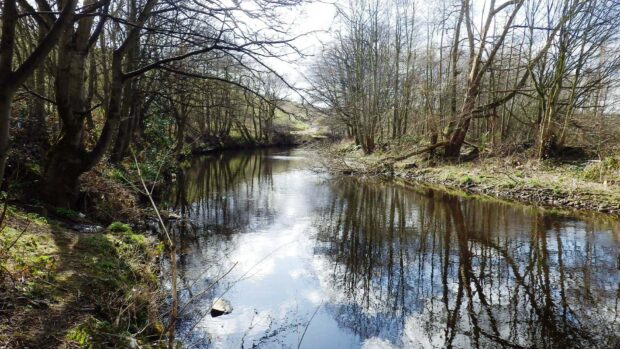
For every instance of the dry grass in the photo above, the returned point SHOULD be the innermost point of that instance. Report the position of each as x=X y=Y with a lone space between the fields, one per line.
x=109 y=199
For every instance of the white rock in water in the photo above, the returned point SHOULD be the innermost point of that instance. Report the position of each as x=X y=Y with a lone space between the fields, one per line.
x=221 y=307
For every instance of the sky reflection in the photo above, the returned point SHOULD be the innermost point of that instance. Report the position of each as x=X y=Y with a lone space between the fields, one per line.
x=375 y=265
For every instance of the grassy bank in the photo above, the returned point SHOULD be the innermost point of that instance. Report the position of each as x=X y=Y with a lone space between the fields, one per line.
x=65 y=289
x=582 y=185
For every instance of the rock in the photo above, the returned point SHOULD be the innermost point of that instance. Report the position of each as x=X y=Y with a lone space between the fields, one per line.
x=174 y=216
x=221 y=307
x=170 y=215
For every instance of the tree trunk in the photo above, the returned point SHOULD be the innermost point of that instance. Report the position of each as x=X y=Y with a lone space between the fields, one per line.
x=125 y=131
x=65 y=161
x=64 y=167
x=180 y=136
x=6 y=98
x=10 y=79
x=69 y=157
x=453 y=147
x=38 y=125
x=7 y=83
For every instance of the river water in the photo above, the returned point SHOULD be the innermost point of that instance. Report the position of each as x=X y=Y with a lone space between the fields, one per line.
x=312 y=261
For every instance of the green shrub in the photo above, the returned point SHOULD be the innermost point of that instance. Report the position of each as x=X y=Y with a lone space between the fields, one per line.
x=611 y=163
x=116 y=175
x=66 y=212
x=119 y=227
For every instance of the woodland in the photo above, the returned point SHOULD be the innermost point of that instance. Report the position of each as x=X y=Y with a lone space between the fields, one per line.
x=103 y=103
x=84 y=83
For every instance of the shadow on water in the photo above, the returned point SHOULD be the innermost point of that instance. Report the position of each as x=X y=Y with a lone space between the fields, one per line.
x=387 y=266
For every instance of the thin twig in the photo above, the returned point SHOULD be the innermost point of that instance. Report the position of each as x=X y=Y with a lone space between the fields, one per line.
x=308 y=325
x=198 y=295
x=237 y=281
x=173 y=258
x=16 y=239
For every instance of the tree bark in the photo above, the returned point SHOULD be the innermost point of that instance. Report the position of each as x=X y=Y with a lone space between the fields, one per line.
x=11 y=79
x=65 y=165
x=69 y=158
x=6 y=97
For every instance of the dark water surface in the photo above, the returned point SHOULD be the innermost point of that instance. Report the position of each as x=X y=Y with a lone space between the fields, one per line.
x=350 y=263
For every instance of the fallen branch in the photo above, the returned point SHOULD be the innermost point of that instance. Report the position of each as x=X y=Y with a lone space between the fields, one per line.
x=417 y=152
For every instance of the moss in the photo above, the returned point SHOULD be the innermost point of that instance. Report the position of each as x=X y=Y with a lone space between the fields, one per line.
x=80 y=335
x=31 y=217
x=111 y=274
x=466 y=180
x=95 y=244
x=119 y=227
x=116 y=259
x=34 y=167
x=89 y=333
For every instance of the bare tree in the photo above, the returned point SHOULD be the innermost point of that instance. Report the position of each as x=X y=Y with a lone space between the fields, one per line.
x=13 y=75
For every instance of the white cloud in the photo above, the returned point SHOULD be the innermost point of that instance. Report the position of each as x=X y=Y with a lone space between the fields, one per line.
x=377 y=343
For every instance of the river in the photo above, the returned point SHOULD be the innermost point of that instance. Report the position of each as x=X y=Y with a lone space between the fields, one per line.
x=314 y=261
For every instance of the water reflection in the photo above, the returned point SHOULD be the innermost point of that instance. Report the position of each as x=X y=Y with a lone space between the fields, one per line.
x=226 y=191
x=425 y=269
x=376 y=265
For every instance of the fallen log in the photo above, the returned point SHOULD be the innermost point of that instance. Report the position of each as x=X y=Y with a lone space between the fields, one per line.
x=417 y=152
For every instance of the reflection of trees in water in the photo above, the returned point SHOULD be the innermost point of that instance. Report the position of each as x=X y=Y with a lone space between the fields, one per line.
x=221 y=195
x=428 y=267
x=223 y=191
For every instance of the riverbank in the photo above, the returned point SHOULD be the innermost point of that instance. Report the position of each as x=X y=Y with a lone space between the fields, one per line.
x=62 y=288
x=578 y=185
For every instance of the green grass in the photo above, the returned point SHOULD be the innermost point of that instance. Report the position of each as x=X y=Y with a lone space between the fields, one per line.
x=282 y=119
x=114 y=274
x=66 y=212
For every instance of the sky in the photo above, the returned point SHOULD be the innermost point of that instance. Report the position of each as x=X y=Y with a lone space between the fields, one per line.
x=315 y=21
x=312 y=20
